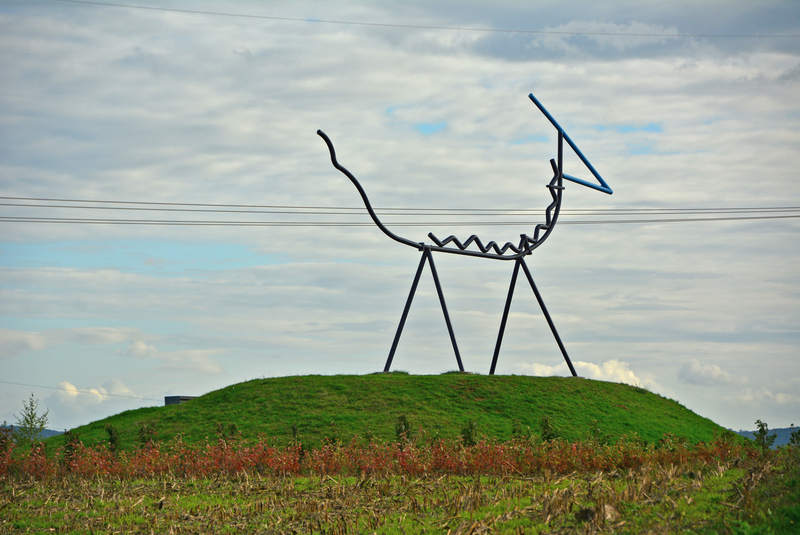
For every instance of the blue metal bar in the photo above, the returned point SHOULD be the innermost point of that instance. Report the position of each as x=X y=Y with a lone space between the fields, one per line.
x=603 y=186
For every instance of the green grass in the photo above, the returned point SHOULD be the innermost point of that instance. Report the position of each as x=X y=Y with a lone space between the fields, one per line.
x=653 y=499
x=343 y=406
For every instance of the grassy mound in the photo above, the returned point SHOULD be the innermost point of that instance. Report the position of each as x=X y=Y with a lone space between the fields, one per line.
x=315 y=407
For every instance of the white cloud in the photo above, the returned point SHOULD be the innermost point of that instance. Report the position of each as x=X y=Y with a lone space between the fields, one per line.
x=695 y=373
x=14 y=343
x=118 y=388
x=96 y=335
x=73 y=405
x=611 y=370
x=764 y=395
x=70 y=394
x=69 y=391
x=192 y=360
x=139 y=349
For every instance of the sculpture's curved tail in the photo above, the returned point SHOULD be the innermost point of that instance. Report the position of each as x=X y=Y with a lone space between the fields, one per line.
x=364 y=197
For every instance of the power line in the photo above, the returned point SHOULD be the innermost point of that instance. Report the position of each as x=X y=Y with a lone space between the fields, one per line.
x=418 y=26
x=212 y=223
x=79 y=391
x=511 y=216
x=152 y=203
x=340 y=210
x=273 y=210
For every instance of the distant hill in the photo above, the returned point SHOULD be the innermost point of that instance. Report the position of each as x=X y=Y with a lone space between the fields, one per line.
x=315 y=407
x=47 y=433
x=782 y=438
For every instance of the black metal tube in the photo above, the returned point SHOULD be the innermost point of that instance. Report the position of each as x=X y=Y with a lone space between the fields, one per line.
x=505 y=317
x=491 y=250
x=547 y=316
x=405 y=310
x=444 y=309
x=364 y=197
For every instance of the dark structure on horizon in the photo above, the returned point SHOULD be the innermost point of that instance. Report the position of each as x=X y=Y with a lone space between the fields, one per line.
x=491 y=250
x=177 y=400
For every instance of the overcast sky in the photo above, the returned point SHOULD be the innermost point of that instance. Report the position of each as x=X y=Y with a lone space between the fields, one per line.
x=684 y=109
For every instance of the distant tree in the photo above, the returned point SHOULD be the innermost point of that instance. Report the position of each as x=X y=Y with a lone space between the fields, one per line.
x=762 y=436
x=30 y=423
x=794 y=438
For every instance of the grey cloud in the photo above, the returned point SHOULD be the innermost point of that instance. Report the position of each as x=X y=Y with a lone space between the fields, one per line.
x=790 y=76
x=690 y=18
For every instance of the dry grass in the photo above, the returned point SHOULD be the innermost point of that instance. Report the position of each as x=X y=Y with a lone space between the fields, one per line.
x=653 y=498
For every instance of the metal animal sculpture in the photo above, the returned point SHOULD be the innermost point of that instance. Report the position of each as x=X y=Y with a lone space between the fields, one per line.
x=473 y=246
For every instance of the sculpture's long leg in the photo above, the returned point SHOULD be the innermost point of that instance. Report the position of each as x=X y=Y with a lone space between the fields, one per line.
x=505 y=316
x=444 y=309
x=426 y=255
x=521 y=260
x=406 y=309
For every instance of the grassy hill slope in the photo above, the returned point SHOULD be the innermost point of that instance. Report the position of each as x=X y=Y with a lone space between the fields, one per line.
x=369 y=405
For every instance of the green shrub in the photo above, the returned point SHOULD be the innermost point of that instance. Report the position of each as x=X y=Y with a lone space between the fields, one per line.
x=113 y=437
x=469 y=433
x=402 y=429
x=547 y=429
x=147 y=435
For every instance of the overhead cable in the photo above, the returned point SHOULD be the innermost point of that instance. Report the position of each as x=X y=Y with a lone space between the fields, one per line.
x=159 y=222
x=424 y=217
x=418 y=26
x=344 y=210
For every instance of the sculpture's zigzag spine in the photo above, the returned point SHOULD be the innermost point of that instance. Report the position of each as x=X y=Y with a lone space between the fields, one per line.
x=475 y=239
